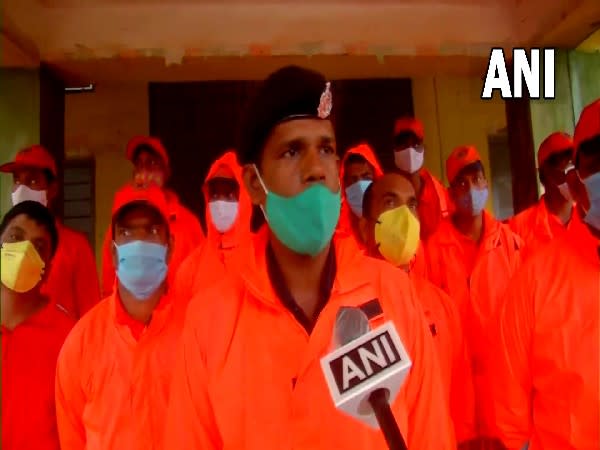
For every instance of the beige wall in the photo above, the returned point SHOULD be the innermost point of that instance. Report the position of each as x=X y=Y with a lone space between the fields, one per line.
x=453 y=114
x=98 y=125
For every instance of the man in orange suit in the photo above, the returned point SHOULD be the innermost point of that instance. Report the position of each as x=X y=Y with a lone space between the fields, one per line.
x=151 y=168
x=73 y=280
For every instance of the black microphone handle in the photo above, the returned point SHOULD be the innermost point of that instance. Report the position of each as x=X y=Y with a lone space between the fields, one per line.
x=386 y=420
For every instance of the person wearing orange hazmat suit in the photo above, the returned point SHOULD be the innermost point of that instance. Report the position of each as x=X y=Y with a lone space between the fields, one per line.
x=390 y=227
x=73 y=279
x=114 y=370
x=472 y=257
x=249 y=374
x=151 y=167
x=546 y=388
x=409 y=154
x=358 y=169
x=228 y=214
x=34 y=328
x=551 y=216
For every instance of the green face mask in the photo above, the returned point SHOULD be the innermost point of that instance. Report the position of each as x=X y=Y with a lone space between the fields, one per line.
x=305 y=222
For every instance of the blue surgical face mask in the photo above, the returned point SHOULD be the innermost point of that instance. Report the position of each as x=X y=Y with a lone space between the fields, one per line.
x=473 y=202
x=355 y=193
x=142 y=267
x=592 y=186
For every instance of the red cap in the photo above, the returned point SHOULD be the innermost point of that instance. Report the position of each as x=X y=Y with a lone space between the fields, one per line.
x=460 y=158
x=152 y=142
x=35 y=156
x=406 y=124
x=153 y=196
x=588 y=126
x=555 y=143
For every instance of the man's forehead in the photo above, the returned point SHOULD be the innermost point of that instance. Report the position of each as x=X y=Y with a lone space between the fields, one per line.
x=222 y=183
x=28 y=171
x=138 y=213
x=359 y=166
x=470 y=171
x=147 y=153
x=304 y=129
x=559 y=158
x=24 y=225
x=223 y=171
x=392 y=182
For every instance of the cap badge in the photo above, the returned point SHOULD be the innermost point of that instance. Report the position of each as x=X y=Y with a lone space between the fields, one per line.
x=325 y=103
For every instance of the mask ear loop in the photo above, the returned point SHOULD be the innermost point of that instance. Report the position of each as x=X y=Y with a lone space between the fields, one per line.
x=262 y=183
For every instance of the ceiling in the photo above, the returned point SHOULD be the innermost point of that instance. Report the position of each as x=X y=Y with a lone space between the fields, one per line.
x=191 y=39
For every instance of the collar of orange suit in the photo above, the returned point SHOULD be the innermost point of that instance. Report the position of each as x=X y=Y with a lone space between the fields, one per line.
x=348 y=275
x=491 y=232
x=43 y=317
x=544 y=217
x=284 y=294
x=122 y=317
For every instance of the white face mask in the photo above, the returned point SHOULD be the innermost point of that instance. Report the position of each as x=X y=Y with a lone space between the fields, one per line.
x=24 y=193
x=409 y=160
x=565 y=192
x=223 y=214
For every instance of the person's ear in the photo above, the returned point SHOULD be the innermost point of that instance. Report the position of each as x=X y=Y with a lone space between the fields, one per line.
x=170 y=248
x=253 y=185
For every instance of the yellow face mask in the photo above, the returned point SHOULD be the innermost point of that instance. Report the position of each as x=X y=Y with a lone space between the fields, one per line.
x=397 y=235
x=21 y=266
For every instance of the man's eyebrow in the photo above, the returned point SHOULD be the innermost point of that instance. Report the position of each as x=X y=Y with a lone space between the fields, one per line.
x=293 y=142
x=16 y=229
x=389 y=196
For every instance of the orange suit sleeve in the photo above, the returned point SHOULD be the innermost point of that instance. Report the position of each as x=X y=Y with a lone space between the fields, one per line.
x=108 y=268
x=429 y=420
x=190 y=418
x=70 y=397
x=87 y=287
x=512 y=376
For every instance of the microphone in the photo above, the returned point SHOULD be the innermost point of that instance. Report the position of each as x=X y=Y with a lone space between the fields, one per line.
x=366 y=372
